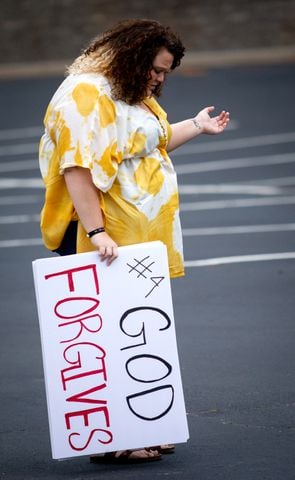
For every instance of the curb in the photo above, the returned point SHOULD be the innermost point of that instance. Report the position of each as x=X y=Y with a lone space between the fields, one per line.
x=191 y=64
x=241 y=57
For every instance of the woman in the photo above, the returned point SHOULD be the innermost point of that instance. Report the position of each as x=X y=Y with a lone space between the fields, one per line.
x=109 y=180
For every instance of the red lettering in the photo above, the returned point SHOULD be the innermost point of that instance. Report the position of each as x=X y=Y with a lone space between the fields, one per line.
x=85 y=414
x=78 y=363
x=76 y=299
x=104 y=442
x=81 y=397
x=82 y=326
x=82 y=359
x=70 y=273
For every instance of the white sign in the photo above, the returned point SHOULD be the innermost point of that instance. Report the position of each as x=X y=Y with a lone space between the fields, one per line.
x=109 y=351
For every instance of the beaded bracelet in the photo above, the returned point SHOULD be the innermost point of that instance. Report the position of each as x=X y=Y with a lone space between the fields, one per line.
x=95 y=231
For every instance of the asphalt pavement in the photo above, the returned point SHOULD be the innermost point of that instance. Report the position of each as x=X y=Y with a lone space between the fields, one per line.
x=234 y=309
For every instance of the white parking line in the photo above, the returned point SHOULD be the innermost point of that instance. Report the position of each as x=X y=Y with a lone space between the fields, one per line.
x=236 y=143
x=203 y=147
x=18 y=149
x=21 y=242
x=237 y=203
x=278 y=181
x=241 y=229
x=32 y=132
x=196 y=167
x=208 y=262
x=265 y=257
x=229 y=188
x=187 y=232
x=21 y=183
x=37 y=131
x=248 y=162
x=226 y=188
x=13 y=219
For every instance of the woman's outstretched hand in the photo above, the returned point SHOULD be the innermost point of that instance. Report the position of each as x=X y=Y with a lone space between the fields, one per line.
x=106 y=247
x=212 y=125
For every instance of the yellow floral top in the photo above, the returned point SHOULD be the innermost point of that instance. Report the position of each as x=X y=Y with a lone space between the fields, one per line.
x=124 y=147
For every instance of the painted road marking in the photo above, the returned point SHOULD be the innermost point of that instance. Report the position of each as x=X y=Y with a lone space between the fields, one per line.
x=12 y=219
x=212 y=146
x=226 y=188
x=187 y=232
x=229 y=188
x=21 y=183
x=241 y=229
x=21 y=242
x=278 y=181
x=37 y=131
x=232 y=164
x=235 y=143
x=196 y=167
x=18 y=149
x=237 y=203
x=264 y=257
x=207 y=262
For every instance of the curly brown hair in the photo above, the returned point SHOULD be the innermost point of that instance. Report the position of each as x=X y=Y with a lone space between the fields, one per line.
x=125 y=55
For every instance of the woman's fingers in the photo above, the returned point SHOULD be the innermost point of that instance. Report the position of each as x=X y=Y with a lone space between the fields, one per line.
x=223 y=119
x=114 y=256
x=108 y=253
x=105 y=251
x=106 y=247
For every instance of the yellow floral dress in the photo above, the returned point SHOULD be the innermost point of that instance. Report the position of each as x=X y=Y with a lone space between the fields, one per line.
x=124 y=147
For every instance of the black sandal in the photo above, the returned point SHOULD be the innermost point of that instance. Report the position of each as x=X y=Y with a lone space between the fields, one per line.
x=165 y=449
x=124 y=457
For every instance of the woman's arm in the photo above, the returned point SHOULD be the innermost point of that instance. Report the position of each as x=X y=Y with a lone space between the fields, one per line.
x=85 y=198
x=188 y=129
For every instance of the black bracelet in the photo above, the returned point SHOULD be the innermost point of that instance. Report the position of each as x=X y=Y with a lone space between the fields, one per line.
x=95 y=231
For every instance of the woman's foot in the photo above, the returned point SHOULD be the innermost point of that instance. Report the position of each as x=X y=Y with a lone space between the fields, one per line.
x=127 y=456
